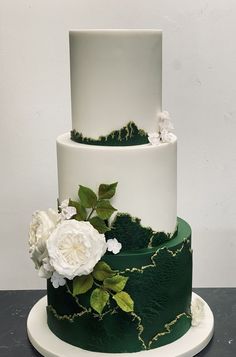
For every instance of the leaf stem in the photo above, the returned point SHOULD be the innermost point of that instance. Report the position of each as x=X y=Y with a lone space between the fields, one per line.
x=98 y=285
x=75 y=298
x=90 y=214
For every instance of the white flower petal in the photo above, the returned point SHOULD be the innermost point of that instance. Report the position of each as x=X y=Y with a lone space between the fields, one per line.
x=64 y=203
x=167 y=137
x=43 y=273
x=154 y=138
x=68 y=212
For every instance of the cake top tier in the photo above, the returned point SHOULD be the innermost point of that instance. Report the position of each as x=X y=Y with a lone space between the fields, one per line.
x=116 y=78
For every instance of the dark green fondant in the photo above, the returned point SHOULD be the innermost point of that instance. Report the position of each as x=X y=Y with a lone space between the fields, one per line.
x=127 y=136
x=160 y=283
x=132 y=235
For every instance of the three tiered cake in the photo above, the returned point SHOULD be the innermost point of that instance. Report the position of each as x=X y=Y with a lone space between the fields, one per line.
x=117 y=259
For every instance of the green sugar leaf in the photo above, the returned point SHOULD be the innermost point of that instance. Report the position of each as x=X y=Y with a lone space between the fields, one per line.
x=81 y=211
x=124 y=301
x=102 y=271
x=82 y=284
x=115 y=283
x=98 y=300
x=107 y=191
x=87 y=197
x=104 y=209
x=99 y=224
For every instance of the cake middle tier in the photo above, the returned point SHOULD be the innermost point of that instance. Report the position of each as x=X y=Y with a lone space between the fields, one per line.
x=146 y=176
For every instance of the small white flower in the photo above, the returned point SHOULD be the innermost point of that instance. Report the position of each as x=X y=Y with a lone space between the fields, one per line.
x=42 y=225
x=197 y=311
x=67 y=211
x=164 y=121
x=74 y=248
x=167 y=137
x=57 y=280
x=114 y=246
x=154 y=138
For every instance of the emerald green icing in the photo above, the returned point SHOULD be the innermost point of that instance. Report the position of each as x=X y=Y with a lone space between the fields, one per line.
x=129 y=135
x=160 y=283
x=132 y=235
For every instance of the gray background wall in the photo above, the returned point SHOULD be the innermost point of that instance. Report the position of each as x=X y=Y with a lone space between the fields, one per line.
x=199 y=76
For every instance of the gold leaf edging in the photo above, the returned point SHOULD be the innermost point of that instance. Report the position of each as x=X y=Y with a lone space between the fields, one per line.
x=168 y=328
x=69 y=318
x=140 y=328
x=154 y=264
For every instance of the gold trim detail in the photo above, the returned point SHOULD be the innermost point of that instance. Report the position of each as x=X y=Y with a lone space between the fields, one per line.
x=66 y=317
x=140 y=328
x=154 y=264
x=168 y=328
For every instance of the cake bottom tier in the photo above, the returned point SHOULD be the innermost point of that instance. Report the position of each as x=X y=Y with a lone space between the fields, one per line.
x=160 y=283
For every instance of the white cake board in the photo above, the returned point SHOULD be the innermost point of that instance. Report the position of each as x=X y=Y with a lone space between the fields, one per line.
x=50 y=345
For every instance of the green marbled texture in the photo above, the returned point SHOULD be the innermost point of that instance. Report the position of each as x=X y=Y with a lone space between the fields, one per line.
x=160 y=283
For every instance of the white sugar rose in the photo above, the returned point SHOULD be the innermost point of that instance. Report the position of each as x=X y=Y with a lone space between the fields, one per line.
x=74 y=248
x=42 y=225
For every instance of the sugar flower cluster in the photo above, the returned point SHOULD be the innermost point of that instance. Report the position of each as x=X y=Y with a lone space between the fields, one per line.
x=164 y=130
x=62 y=247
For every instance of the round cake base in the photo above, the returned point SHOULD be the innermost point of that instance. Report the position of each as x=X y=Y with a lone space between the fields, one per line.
x=49 y=345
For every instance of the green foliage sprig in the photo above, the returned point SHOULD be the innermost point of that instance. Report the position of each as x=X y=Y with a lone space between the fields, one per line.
x=95 y=208
x=108 y=284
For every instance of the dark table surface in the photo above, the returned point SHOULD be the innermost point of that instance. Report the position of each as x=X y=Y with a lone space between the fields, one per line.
x=15 y=306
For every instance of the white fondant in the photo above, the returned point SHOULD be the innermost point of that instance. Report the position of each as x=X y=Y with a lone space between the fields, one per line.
x=146 y=177
x=116 y=77
x=49 y=345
